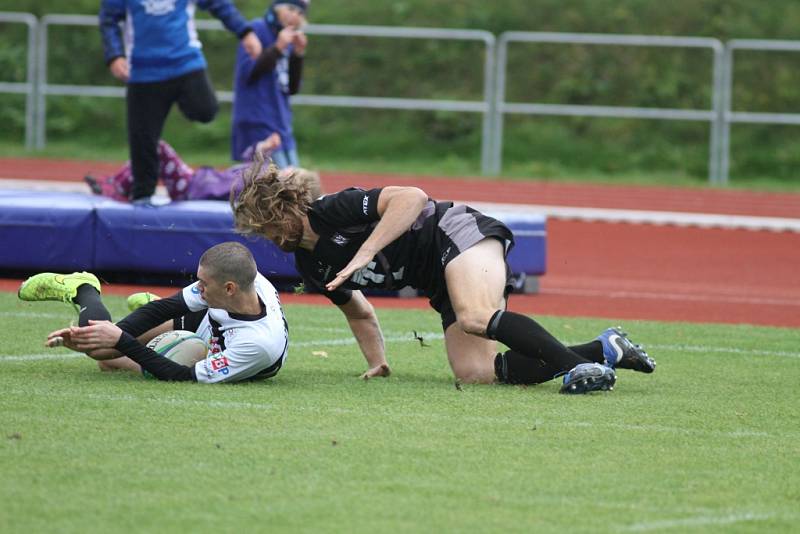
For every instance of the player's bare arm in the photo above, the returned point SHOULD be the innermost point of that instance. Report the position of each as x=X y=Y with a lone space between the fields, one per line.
x=398 y=208
x=364 y=324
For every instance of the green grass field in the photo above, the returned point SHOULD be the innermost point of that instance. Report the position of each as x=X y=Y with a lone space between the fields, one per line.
x=710 y=442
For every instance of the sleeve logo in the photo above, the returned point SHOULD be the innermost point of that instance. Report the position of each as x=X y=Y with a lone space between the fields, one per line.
x=219 y=364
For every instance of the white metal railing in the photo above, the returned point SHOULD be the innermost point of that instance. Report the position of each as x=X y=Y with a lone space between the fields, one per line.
x=492 y=106
x=28 y=88
x=483 y=106
x=713 y=115
x=729 y=116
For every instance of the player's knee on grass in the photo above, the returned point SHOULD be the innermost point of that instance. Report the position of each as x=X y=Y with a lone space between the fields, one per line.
x=475 y=374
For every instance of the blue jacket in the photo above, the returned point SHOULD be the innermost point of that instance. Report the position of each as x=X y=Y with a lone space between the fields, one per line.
x=160 y=36
x=261 y=107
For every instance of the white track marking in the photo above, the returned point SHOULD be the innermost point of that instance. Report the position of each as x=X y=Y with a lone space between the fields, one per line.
x=661 y=429
x=393 y=337
x=390 y=337
x=727 y=350
x=668 y=295
x=41 y=356
x=701 y=220
x=704 y=349
x=399 y=337
x=697 y=521
x=34 y=315
x=328 y=329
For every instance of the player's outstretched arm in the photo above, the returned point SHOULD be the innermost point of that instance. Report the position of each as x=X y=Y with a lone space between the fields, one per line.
x=60 y=338
x=398 y=208
x=63 y=338
x=365 y=327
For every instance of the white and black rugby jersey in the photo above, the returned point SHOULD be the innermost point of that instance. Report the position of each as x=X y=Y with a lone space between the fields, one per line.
x=240 y=346
x=343 y=221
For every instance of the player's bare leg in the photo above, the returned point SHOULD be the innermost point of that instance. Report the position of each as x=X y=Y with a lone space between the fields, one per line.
x=476 y=281
x=471 y=358
x=119 y=364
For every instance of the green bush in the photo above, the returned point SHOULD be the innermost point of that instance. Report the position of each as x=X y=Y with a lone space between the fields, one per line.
x=564 y=74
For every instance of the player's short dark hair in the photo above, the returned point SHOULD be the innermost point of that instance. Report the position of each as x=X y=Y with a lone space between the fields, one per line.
x=230 y=262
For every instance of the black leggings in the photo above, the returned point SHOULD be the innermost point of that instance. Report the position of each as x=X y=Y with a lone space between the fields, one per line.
x=148 y=106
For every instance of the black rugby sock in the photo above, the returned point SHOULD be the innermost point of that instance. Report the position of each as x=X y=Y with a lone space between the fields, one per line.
x=514 y=368
x=528 y=338
x=90 y=305
x=592 y=351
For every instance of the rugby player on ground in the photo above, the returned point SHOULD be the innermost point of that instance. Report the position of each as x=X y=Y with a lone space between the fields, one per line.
x=232 y=307
x=394 y=237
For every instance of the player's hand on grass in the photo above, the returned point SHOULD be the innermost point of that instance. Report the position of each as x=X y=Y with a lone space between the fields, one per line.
x=98 y=335
x=378 y=370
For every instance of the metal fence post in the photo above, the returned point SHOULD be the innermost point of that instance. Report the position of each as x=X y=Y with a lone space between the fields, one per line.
x=503 y=107
x=725 y=133
x=717 y=123
x=488 y=102
x=41 y=82
x=499 y=100
x=746 y=117
x=28 y=88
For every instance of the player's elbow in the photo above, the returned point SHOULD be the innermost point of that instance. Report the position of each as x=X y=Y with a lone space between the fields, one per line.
x=418 y=196
x=402 y=199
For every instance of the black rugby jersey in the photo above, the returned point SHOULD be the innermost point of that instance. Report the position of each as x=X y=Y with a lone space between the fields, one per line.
x=344 y=221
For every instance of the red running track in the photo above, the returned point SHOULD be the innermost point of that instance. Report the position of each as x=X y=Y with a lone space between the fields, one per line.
x=606 y=270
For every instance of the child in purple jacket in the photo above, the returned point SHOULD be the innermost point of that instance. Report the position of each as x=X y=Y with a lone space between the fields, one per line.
x=182 y=182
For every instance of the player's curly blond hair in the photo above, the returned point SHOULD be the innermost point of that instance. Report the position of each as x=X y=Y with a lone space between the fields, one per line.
x=271 y=199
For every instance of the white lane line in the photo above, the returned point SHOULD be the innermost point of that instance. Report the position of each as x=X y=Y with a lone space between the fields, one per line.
x=41 y=356
x=728 y=350
x=702 y=220
x=33 y=315
x=498 y=210
x=660 y=429
x=399 y=337
x=394 y=337
x=698 y=521
x=704 y=349
x=667 y=295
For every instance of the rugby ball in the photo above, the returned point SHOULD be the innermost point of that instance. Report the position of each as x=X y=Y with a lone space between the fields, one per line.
x=180 y=346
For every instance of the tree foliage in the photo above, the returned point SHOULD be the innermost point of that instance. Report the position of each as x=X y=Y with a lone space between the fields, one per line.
x=564 y=74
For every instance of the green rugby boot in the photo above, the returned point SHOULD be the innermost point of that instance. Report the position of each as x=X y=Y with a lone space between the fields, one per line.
x=58 y=287
x=137 y=300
